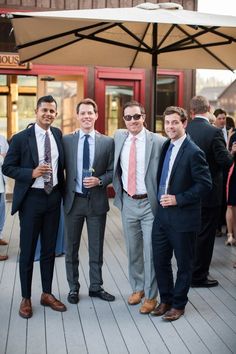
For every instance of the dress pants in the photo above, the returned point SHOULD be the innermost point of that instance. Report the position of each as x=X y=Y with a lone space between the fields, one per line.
x=39 y=214
x=137 y=219
x=166 y=240
x=82 y=211
x=205 y=244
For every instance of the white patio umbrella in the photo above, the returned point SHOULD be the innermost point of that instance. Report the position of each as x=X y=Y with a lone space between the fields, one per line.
x=148 y=35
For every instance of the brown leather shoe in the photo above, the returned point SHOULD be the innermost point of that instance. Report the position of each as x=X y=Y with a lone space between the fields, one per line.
x=173 y=314
x=51 y=301
x=161 y=309
x=25 y=310
x=3 y=258
x=135 y=298
x=3 y=242
x=148 y=306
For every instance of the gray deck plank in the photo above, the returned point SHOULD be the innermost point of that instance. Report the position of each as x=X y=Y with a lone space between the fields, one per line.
x=97 y=327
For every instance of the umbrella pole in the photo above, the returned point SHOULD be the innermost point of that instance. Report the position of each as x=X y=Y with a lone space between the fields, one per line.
x=154 y=78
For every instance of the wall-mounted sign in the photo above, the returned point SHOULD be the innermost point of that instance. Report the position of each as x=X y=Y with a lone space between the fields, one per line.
x=12 y=61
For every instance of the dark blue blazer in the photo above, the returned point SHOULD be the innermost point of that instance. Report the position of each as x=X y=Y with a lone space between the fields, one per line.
x=190 y=179
x=22 y=158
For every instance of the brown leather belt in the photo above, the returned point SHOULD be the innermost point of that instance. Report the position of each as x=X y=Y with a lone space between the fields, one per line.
x=137 y=196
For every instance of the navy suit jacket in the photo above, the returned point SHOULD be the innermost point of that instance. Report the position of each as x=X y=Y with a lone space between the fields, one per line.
x=190 y=179
x=210 y=139
x=22 y=158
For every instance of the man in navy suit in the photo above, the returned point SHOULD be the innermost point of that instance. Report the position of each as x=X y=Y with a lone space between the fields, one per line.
x=183 y=177
x=210 y=139
x=37 y=201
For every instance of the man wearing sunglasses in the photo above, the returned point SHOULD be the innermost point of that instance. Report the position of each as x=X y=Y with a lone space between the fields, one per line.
x=137 y=152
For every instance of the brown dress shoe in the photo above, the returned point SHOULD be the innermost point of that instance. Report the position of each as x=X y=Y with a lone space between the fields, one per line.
x=161 y=309
x=135 y=298
x=173 y=314
x=3 y=258
x=51 y=301
x=3 y=242
x=25 y=310
x=148 y=306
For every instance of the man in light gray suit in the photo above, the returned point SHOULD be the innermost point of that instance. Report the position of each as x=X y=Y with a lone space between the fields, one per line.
x=89 y=169
x=137 y=153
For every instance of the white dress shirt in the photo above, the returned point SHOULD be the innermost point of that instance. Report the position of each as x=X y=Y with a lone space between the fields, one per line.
x=140 y=162
x=40 y=139
x=91 y=141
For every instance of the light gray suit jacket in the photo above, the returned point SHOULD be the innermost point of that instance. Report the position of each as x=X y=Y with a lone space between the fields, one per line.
x=154 y=144
x=103 y=169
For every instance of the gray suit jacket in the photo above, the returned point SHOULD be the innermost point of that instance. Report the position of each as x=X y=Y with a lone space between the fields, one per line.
x=154 y=144
x=103 y=169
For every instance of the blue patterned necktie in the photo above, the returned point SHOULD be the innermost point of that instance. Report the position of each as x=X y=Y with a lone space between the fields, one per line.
x=86 y=162
x=164 y=172
x=48 y=186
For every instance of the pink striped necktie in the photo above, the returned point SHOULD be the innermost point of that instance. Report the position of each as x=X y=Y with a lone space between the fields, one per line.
x=132 y=168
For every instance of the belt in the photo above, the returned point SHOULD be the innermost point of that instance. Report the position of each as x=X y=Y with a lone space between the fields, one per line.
x=32 y=189
x=136 y=196
x=81 y=195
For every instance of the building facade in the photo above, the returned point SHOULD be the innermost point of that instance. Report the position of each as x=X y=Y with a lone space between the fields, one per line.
x=21 y=85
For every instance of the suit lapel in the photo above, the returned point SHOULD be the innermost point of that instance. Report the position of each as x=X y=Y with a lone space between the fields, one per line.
x=97 y=149
x=33 y=145
x=148 y=149
x=179 y=156
x=74 y=148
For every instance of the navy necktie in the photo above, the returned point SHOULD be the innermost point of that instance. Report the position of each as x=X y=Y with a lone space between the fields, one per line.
x=164 y=172
x=48 y=182
x=86 y=162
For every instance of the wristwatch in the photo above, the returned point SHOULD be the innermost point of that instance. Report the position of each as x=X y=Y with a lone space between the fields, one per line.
x=100 y=183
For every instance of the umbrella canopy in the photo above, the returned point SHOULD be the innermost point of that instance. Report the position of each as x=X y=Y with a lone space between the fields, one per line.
x=145 y=36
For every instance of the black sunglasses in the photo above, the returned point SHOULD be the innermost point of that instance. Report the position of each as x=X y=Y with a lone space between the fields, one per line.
x=136 y=116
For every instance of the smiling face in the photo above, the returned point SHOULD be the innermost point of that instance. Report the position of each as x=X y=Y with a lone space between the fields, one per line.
x=45 y=114
x=87 y=117
x=134 y=126
x=174 y=127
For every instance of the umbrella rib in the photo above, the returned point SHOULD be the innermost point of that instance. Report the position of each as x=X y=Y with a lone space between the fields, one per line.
x=166 y=36
x=212 y=30
x=136 y=54
x=140 y=41
x=60 y=35
x=205 y=47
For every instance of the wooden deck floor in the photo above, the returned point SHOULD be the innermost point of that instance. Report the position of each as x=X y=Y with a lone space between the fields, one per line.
x=97 y=327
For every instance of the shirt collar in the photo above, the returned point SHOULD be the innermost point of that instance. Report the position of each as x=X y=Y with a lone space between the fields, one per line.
x=82 y=134
x=203 y=117
x=139 y=136
x=177 y=143
x=39 y=130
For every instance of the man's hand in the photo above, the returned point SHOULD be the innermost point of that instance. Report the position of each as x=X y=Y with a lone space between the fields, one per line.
x=168 y=200
x=40 y=170
x=90 y=182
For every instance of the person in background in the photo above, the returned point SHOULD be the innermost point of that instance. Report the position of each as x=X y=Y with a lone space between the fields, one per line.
x=35 y=160
x=137 y=152
x=183 y=178
x=210 y=139
x=89 y=169
x=3 y=151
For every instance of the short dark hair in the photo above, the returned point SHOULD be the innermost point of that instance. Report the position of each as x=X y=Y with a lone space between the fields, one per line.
x=87 y=101
x=48 y=99
x=219 y=111
x=178 y=110
x=199 y=104
x=134 y=104
x=230 y=123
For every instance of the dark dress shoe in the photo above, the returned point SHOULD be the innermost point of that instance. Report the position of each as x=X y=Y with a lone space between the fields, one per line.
x=173 y=314
x=25 y=310
x=3 y=242
x=161 y=309
x=3 y=258
x=207 y=283
x=102 y=294
x=73 y=297
x=51 y=301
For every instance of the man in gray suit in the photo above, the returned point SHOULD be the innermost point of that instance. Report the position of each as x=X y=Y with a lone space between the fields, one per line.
x=86 y=198
x=137 y=153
